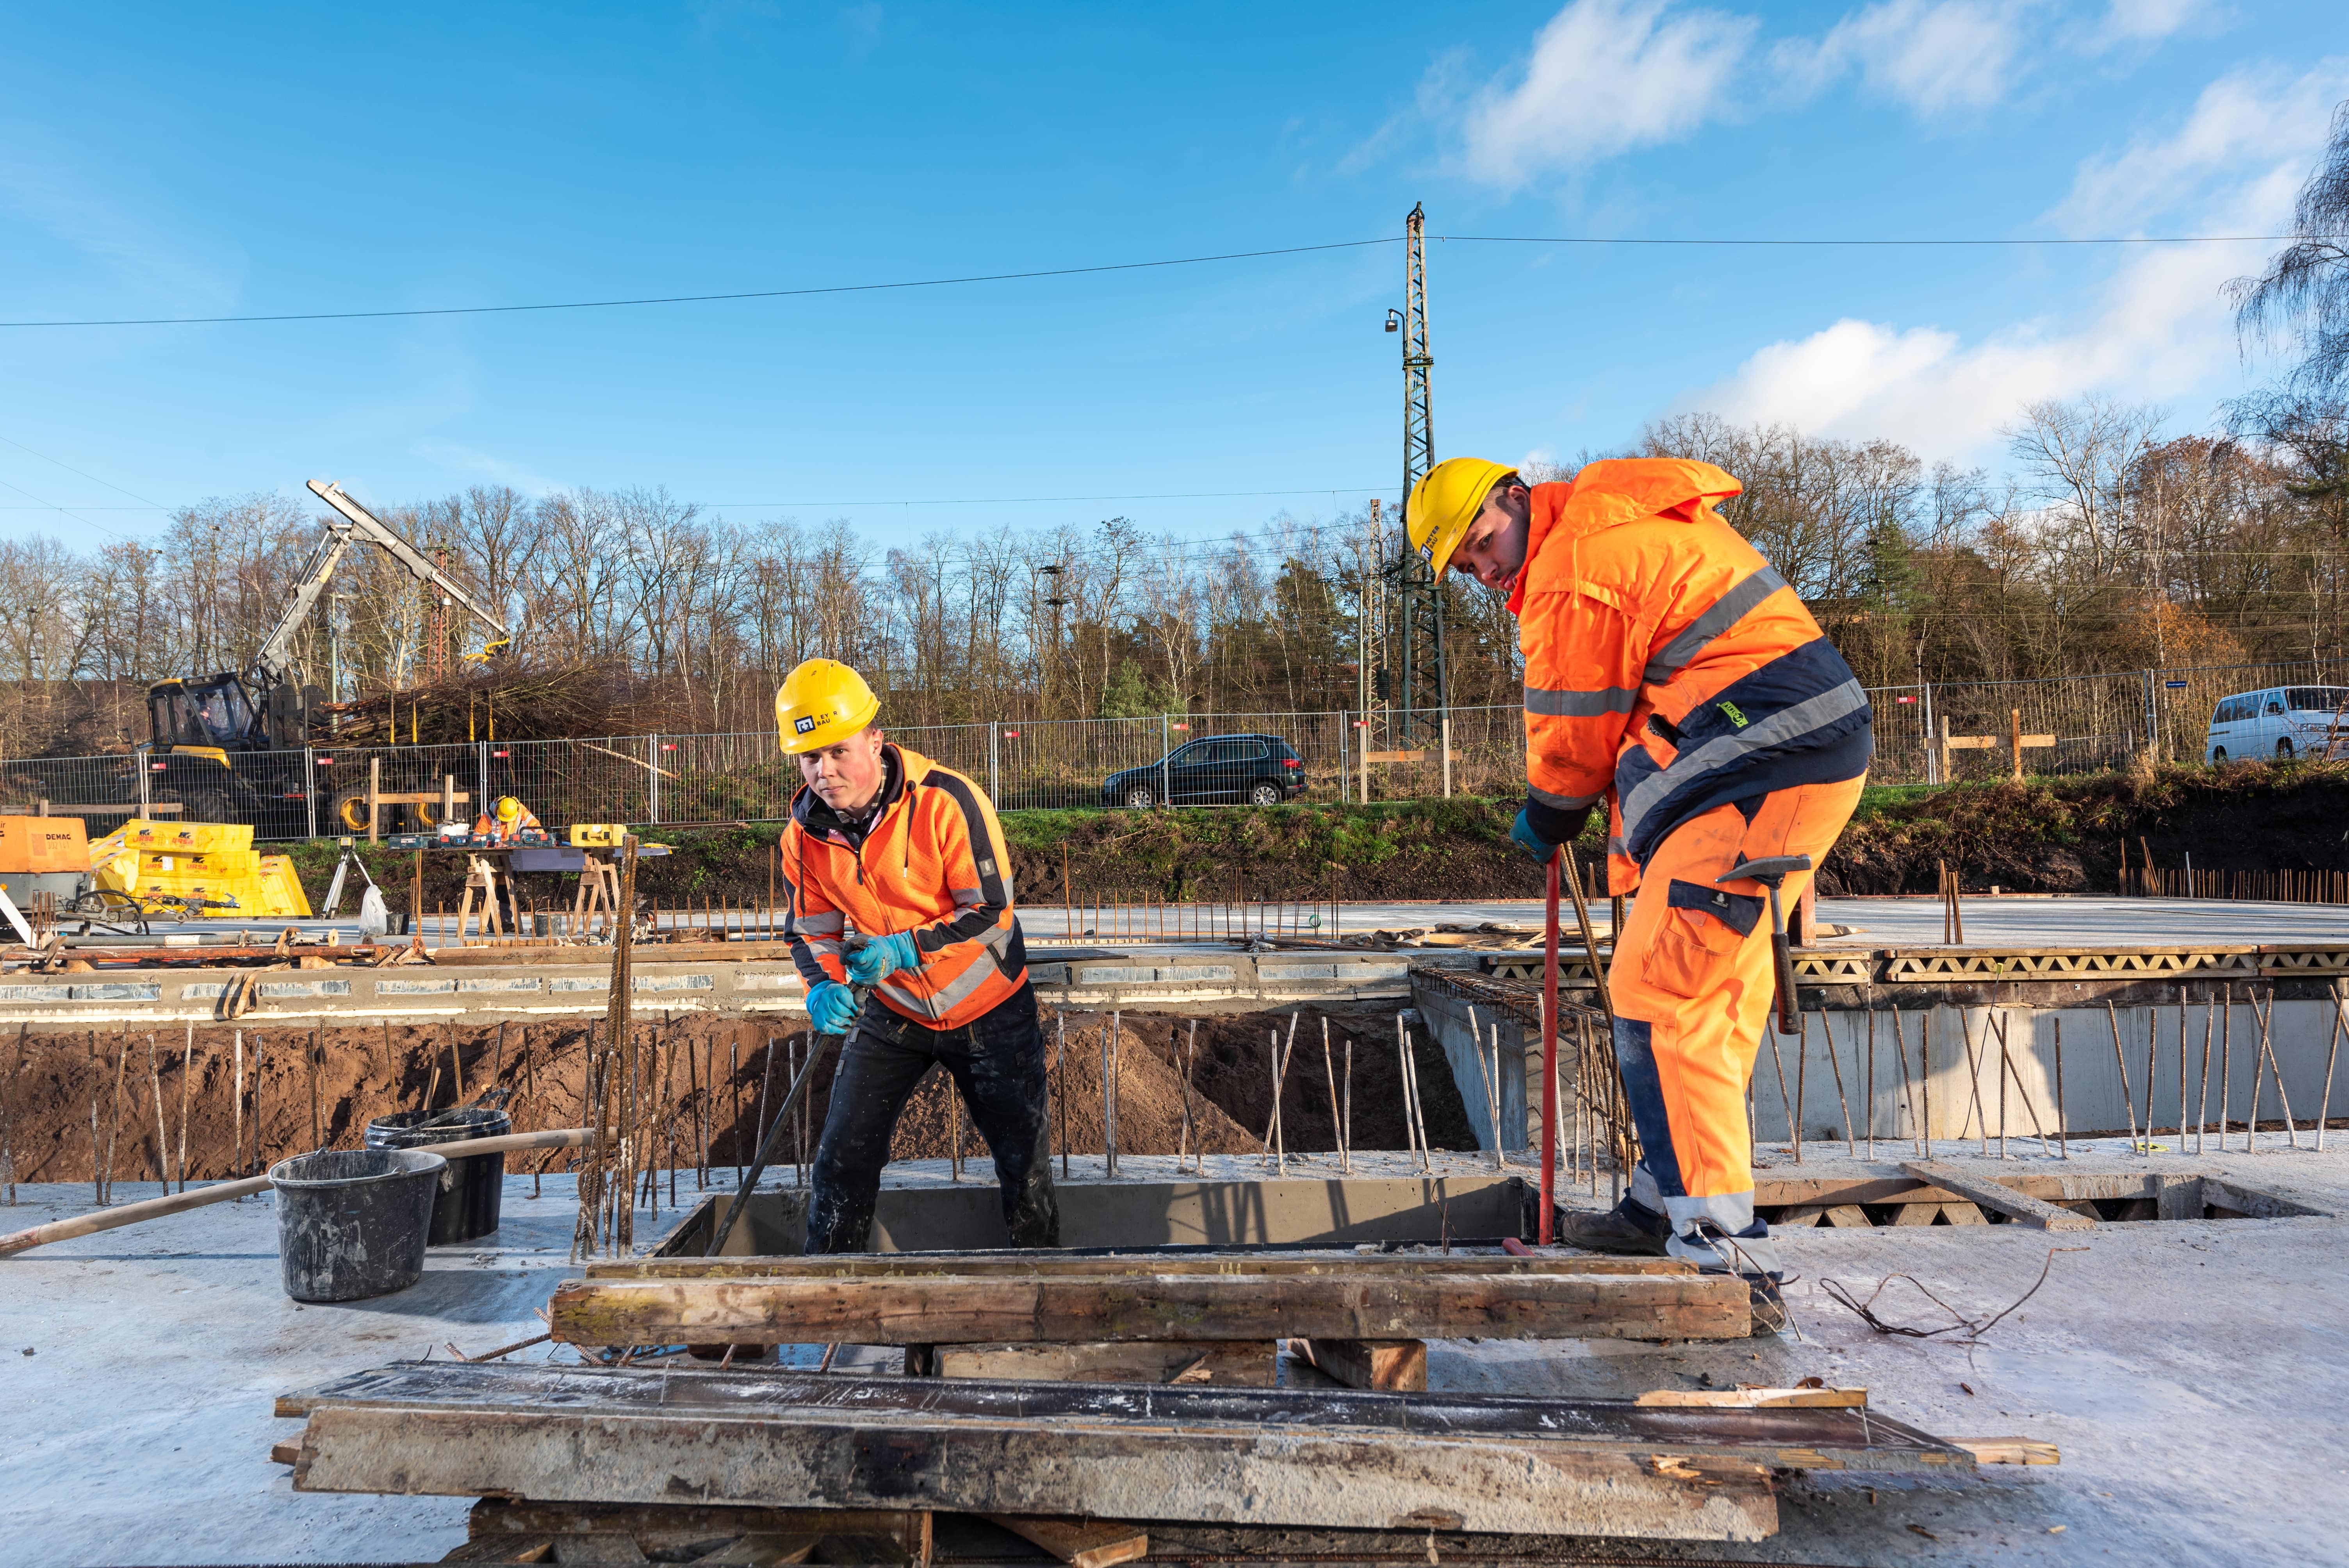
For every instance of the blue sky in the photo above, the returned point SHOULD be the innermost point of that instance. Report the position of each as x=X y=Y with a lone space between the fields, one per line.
x=172 y=160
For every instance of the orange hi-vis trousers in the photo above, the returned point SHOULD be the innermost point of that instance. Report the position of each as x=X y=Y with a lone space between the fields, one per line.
x=1691 y=984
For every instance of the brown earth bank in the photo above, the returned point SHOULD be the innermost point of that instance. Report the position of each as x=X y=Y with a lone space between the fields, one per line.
x=2042 y=835
x=714 y=1074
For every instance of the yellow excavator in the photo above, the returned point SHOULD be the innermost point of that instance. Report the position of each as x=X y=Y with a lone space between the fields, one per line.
x=230 y=747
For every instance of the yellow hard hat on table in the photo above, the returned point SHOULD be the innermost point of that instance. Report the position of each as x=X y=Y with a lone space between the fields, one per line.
x=1444 y=501
x=821 y=704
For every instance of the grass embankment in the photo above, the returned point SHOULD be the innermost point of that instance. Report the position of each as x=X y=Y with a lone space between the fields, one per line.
x=2044 y=835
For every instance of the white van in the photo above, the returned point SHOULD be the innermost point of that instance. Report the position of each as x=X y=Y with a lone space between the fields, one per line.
x=2281 y=722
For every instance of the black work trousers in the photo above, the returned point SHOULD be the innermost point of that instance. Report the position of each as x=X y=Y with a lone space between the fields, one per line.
x=997 y=1064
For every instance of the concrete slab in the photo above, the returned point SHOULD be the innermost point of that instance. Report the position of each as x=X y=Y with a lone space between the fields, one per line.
x=2190 y=1372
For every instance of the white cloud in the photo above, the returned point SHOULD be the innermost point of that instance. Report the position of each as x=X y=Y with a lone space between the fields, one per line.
x=1605 y=77
x=2144 y=21
x=471 y=461
x=2249 y=126
x=2156 y=328
x=1934 y=57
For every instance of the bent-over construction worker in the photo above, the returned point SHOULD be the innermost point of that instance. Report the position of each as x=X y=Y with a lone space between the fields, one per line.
x=507 y=820
x=907 y=855
x=1671 y=672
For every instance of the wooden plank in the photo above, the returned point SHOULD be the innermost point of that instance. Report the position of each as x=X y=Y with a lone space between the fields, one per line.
x=1223 y=1474
x=1745 y=1397
x=601 y=1549
x=1028 y=1265
x=1077 y=1309
x=1242 y=1363
x=1399 y=1364
x=673 y=1526
x=2008 y=1450
x=762 y=1548
x=1917 y=1213
x=806 y=1400
x=1963 y=1213
x=508 y=1549
x=2019 y=1206
x=1079 y=1543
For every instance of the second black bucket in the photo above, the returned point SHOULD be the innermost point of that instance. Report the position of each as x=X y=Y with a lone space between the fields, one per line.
x=351 y=1222
x=471 y=1187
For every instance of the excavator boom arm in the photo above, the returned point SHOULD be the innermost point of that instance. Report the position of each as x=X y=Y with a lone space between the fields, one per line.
x=363 y=525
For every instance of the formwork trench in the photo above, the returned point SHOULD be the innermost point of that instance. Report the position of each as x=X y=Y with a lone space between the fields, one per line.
x=2106 y=1199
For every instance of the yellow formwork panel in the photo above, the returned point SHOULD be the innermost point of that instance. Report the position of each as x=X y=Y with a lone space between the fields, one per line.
x=213 y=861
x=281 y=889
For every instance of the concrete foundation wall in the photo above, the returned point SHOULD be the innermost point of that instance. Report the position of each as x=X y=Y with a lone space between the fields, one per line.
x=553 y=987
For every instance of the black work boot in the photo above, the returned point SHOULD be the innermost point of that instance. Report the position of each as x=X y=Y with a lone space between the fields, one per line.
x=1630 y=1227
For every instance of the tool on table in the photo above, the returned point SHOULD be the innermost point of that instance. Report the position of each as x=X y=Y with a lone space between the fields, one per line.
x=1771 y=873
x=818 y=1046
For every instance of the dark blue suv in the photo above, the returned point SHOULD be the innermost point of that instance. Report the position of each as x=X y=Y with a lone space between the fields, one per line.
x=1257 y=770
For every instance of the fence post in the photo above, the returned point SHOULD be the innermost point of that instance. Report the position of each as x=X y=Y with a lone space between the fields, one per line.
x=652 y=777
x=309 y=784
x=2152 y=720
x=1341 y=754
x=1932 y=770
x=995 y=763
x=1166 y=766
x=375 y=790
x=146 y=765
x=481 y=776
x=1443 y=731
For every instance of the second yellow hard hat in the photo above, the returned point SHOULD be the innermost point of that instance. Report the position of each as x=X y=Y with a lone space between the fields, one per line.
x=821 y=704
x=1445 y=501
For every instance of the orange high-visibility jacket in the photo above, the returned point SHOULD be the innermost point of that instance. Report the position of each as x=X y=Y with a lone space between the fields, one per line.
x=933 y=863
x=1667 y=665
x=487 y=826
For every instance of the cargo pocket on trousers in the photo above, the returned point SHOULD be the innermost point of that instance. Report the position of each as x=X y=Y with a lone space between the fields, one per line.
x=1703 y=926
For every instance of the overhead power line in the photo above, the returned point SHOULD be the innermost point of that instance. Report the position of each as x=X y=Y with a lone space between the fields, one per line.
x=1114 y=267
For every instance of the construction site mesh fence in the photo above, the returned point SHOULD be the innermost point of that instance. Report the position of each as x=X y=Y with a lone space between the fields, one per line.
x=1936 y=733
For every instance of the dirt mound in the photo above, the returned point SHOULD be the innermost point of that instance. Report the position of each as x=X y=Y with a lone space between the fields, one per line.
x=2066 y=835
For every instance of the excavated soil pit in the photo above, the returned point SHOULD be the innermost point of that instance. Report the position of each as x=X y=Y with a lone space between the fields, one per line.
x=130 y=1101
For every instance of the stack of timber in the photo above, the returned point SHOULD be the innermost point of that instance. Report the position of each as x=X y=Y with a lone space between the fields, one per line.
x=1260 y=1458
x=1148 y=1317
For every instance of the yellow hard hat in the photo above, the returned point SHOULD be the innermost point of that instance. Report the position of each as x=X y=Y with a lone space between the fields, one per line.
x=821 y=704
x=1445 y=501
x=509 y=808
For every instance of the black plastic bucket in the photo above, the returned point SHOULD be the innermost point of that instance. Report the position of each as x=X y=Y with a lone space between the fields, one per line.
x=351 y=1222
x=473 y=1185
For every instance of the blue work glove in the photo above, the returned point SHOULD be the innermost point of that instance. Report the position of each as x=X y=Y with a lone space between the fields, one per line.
x=881 y=957
x=832 y=1007
x=1526 y=838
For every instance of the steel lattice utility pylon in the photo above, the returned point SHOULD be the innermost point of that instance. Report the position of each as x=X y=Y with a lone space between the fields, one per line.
x=1420 y=692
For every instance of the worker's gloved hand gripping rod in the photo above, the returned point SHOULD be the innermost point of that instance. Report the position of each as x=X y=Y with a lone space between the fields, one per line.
x=817 y=1046
x=1771 y=873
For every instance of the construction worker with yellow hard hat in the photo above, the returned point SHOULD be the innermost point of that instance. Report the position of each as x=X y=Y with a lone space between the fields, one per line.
x=907 y=856
x=1671 y=672
x=507 y=821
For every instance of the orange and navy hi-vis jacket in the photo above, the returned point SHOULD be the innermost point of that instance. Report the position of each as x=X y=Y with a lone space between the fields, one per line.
x=1667 y=665
x=932 y=862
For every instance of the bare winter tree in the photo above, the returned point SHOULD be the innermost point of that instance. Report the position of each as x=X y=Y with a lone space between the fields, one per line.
x=2303 y=297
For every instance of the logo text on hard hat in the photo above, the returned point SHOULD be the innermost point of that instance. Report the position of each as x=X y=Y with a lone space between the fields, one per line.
x=1735 y=717
x=804 y=723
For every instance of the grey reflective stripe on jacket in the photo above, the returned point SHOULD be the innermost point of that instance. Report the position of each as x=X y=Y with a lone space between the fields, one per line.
x=1725 y=611
x=1562 y=802
x=1580 y=703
